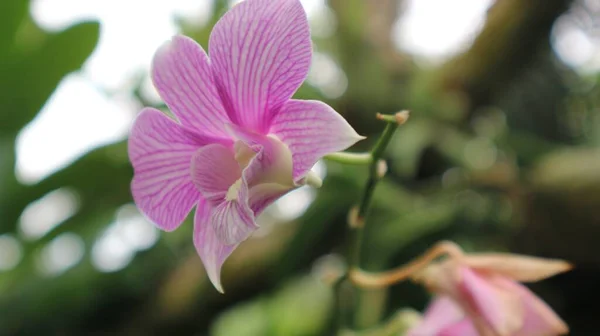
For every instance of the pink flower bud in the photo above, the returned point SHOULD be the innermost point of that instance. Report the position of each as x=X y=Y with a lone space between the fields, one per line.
x=481 y=295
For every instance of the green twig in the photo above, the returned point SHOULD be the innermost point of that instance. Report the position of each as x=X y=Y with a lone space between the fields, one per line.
x=374 y=177
x=377 y=167
x=350 y=158
x=367 y=195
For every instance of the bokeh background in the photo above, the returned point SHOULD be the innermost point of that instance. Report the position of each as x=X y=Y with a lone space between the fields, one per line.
x=501 y=153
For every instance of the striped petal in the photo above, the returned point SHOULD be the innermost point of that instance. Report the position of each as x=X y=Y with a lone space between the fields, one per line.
x=210 y=249
x=260 y=52
x=182 y=75
x=160 y=151
x=311 y=129
x=214 y=171
x=217 y=175
x=233 y=220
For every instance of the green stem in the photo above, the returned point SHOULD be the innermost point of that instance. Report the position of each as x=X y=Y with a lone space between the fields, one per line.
x=340 y=307
x=376 y=154
x=357 y=220
x=350 y=158
x=365 y=201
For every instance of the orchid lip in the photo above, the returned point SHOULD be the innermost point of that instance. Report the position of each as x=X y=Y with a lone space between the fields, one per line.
x=232 y=192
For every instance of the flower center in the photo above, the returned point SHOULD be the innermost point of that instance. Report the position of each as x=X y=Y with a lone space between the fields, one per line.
x=313 y=180
x=232 y=192
x=243 y=153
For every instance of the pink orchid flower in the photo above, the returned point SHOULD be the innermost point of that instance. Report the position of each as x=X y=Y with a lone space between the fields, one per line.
x=239 y=141
x=479 y=295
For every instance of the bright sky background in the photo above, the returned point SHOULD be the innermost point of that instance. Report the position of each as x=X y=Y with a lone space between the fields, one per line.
x=436 y=29
x=433 y=30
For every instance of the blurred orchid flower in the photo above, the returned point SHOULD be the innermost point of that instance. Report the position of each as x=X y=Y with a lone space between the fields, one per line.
x=480 y=295
x=240 y=141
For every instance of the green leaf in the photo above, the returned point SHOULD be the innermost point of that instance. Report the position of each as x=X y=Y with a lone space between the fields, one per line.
x=13 y=12
x=300 y=308
x=101 y=178
x=29 y=81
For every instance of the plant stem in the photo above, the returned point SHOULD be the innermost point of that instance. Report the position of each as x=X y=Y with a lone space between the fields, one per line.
x=367 y=194
x=350 y=158
x=384 y=279
x=356 y=219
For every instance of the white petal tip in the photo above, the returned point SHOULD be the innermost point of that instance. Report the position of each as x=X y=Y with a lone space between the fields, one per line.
x=217 y=284
x=313 y=180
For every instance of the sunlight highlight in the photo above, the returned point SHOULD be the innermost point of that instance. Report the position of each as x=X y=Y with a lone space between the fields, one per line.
x=43 y=215
x=437 y=29
x=129 y=234
x=61 y=254
x=11 y=252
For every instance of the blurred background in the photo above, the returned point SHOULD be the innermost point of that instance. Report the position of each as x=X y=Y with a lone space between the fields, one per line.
x=501 y=153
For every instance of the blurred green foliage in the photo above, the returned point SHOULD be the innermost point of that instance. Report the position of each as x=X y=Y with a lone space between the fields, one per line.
x=300 y=308
x=501 y=153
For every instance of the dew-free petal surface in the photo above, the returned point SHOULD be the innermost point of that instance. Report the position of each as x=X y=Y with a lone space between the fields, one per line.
x=260 y=52
x=311 y=129
x=182 y=74
x=160 y=151
x=210 y=249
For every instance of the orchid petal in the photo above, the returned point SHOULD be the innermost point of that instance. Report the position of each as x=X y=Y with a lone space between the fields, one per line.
x=233 y=221
x=268 y=174
x=517 y=267
x=214 y=171
x=501 y=309
x=442 y=312
x=260 y=52
x=160 y=151
x=540 y=319
x=464 y=327
x=272 y=162
x=182 y=75
x=263 y=195
x=217 y=175
x=210 y=249
x=311 y=129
